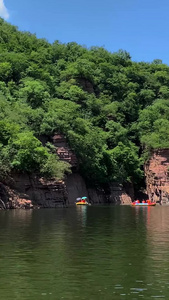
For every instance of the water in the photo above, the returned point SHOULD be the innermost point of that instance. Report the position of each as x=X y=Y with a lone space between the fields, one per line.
x=94 y=253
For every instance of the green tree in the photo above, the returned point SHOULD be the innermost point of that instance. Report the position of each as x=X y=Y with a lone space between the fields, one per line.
x=125 y=164
x=35 y=92
x=27 y=153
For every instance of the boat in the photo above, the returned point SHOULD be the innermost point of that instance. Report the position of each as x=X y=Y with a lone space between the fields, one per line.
x=143 y=203
x=82 y=201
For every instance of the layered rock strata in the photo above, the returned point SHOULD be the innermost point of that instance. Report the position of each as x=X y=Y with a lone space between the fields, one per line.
x=157 y=176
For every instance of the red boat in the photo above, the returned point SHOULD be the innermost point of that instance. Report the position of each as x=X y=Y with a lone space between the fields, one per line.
x=143 y=203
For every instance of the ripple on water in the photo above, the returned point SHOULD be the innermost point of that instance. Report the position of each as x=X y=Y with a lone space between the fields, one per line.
x=117 y=251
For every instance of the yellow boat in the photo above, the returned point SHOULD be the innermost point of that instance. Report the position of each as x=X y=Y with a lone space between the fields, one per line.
x=82 y=201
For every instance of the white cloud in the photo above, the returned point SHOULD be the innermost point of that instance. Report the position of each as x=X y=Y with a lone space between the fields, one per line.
x=3 y=10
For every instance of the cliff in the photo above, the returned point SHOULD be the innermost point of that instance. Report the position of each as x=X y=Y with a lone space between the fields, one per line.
x=157 y=176
x=27 y=191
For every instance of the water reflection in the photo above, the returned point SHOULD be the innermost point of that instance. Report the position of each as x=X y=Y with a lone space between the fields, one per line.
x=82 y=214
x=158 y=245
x=85 y=253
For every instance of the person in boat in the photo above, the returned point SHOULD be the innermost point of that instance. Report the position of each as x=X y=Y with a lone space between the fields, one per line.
x=78 y=199
x=84 y=199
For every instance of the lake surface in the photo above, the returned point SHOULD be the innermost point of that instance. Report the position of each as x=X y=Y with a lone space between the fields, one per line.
x=116 y=252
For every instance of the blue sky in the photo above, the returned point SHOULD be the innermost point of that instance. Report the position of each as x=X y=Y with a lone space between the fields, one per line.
x=140 y=27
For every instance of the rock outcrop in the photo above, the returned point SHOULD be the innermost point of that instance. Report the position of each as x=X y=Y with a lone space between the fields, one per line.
x=31 y=191
x=63 y=150
x=157 y=176
x=122 y=194
x=12 y=199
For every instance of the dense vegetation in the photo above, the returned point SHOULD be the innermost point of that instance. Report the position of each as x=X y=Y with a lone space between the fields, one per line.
x=110 y=109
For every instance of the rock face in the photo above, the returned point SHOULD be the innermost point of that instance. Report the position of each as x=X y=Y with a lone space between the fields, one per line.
x=63 y=150
x=157 y=176
x=115 y=193
x=43 y=193
x=122 y=194
x=27 y=191
x=11 y=198
x=31 y=191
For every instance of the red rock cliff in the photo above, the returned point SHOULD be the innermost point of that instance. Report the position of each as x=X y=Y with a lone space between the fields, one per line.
x=157 y=176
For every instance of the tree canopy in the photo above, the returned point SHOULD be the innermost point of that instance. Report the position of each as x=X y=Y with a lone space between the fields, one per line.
x=109 y=108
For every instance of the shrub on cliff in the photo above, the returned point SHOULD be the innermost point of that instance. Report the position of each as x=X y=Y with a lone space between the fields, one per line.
x=26 y=154
x=55 y=168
